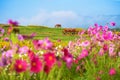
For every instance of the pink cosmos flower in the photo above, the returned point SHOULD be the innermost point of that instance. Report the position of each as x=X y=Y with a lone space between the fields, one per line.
x=1 y=31
x=49 y=59
x=111 y=51
x=106 y=28
x=47 y=44
x=78 y=68
x=76 y=61
x=23 y=50
x=42 y=44
x=83 y=54
x=118 y=53
x=9 y=53
x=36 y=64
x=90 y=28
x=112 y=45
x=4 y=61
x=112 y=72
x=37 y=44
x=68 y=60
x=85 y=43
x=101 y=27
x=112 y=23
x=20 y=65
x=98 y=36
x=92 y=31
x=101 y=52
x=81 y=33
x=72 y=45
x=59 y=63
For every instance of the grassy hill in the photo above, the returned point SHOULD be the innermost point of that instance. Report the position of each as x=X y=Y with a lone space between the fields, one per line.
x=43 y=31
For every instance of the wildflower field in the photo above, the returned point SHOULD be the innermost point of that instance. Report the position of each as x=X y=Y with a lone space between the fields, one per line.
x=42 y=53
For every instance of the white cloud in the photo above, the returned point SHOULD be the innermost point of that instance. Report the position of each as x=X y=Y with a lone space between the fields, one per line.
x=51 y=18
x=67 y=19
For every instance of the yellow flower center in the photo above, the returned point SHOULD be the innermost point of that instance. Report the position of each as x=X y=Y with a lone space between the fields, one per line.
x=44 y=44
x=33 y=64
x=50 y=57
x=20 y=66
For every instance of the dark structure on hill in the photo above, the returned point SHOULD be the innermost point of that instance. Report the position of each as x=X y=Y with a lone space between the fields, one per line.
x=58 y=26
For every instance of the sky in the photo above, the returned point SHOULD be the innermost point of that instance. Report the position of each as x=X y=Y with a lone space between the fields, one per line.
x=68 y=13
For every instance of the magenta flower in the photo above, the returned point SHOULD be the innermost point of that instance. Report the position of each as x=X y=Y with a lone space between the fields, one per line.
x=68 y=60
x=32 y=35
x=6 y=39
x=49 y=59
x=13 y=23
x=47 y=69
x=112 y=23
x=20 y=66
x=26 y=37
x=36 y=64
x=67 y=57
x=42 y=44
x=108 y=35
x=31 y=54
x=105 y=47
x=10 y=21
x=112 y=72
x=96 y=25
x=20 y=37
x=37 y=44
x=83 y=54
x=66 y=52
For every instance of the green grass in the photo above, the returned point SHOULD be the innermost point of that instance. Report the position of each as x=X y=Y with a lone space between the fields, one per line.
x=52 y=33
x=42 y=32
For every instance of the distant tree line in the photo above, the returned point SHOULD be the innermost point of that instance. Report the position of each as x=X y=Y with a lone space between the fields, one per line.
x=115 y=29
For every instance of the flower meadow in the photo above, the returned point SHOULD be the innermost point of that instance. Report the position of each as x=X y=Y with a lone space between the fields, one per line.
x=92 y=56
